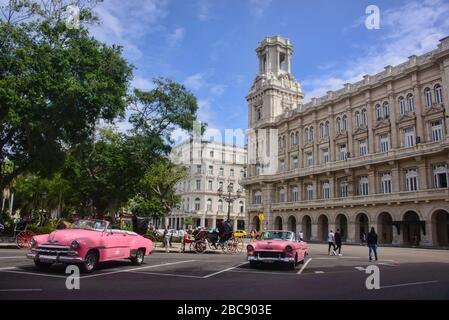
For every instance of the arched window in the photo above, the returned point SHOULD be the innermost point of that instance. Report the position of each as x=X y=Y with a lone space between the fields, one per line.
x=438 y=94
x=306 y=135
x=292 y=139
x=220 y=205
x=386 y=108
x=338 y=123
x=326 y=193
x=297 y=137
x=321 y=130
x=440 y=176
x=209 y=204
x=311 y=132
x=241 y=207
x=378 y=112
x=344 y=188
x=197 y=204
x=281 y=195
x=188 y=205
x=401 y=106
x=295 y=194
x=345 y=123
x=357 y=119
x=365 y=117
x=309 y=193
x=410 y=103
x=363 y=186
x=428 y=97
x=258 y=197
x=385 y=183
x=411 y=180
x=326 y=129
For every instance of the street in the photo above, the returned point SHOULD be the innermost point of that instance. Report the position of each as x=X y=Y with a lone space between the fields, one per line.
x=404 y=274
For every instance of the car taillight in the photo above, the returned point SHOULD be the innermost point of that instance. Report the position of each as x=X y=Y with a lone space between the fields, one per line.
x=250 y=250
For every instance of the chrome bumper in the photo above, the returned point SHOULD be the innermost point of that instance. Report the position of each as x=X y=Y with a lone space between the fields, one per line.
x=54 y=259
x=271 y=259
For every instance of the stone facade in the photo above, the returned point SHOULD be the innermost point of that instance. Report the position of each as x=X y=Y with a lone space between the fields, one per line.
x=210 y=165
x=373 y=154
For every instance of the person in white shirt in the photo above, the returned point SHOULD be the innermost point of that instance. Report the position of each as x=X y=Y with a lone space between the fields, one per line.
x=301 y=236
x=331 y=242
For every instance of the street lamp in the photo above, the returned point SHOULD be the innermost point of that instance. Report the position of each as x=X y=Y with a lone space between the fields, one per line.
x=229 y=197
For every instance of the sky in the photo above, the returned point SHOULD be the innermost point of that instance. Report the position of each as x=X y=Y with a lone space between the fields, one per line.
x=209 y=45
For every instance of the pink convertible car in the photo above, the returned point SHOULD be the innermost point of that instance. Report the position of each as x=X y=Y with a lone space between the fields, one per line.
x=87 y=243
x=277 y=246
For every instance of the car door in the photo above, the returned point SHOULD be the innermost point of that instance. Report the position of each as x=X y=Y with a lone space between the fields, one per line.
x=117 y=245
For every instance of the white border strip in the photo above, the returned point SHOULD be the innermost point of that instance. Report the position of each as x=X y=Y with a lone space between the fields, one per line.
x=304 y=266
x=409 y=284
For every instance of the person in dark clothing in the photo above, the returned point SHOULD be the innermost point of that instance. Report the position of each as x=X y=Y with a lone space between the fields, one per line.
x=372 y=244
x=337 y=237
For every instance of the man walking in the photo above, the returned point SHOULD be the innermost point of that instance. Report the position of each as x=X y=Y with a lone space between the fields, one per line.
x=372 y=244
x=337 y=237
x=331 y=242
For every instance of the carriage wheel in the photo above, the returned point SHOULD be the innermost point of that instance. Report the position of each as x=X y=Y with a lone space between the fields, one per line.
x=23 y=239
x=239 y=245
x=200 y=246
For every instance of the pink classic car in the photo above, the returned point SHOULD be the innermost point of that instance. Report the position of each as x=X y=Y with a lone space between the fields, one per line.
x=277 y=246
x=87 y=243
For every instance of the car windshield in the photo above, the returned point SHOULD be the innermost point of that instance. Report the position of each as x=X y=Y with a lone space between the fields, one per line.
x=276 y=235
x=96 y=225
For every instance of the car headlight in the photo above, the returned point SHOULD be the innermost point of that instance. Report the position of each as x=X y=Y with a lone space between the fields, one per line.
x=250 y=249
x=33 y=242
x=75 y=245
x=289 y=249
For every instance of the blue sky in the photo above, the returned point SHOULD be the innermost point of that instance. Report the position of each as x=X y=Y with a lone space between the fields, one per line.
x=208 y=45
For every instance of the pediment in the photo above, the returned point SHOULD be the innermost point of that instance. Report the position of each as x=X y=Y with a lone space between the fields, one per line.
x=382 y=124
x=406 y=117
x=341 y=135
x=435 y=108
x=360 y=130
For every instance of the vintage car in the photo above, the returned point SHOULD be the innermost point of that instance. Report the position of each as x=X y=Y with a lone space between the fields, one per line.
x=277 y=246
x=87 y=243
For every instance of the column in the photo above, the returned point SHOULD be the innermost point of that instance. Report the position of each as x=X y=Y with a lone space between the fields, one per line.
x=350 y=146
x=214 y=221
x=393 y=111
x=396 y=237
x=372 y=181
x=419 y=103
x=371 y=124
x=422 y=173
x=426 y=240
x=203 y=221
x=395 y=179
x=314 y=235
x=351 y=237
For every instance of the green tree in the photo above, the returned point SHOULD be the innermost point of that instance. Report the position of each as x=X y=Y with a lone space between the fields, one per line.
x=56 y=84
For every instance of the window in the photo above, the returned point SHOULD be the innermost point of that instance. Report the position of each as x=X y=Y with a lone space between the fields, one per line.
x=357 y=119
x=292 y=139
x=326 y=129
x=242 y=173
x=197 y=204
x=309 y=159
x=258 y=170
x=222 y=172
x=209 y=204
x=378 y=112
x=411 y=180
x=281 y=195
x=309 y=192
x=410 y=103
x=282 y=166
x=241 y=207
x=326 y=190
x=440 y=176
x=339 y=125
x=343 y=154
x=198 y=184
x=401 y=106
x=220 y=185
x=311 y=133
x=386 y=108
x=438 y=94
x=198 y=169
x=384 y=143
x=306 y=135
x=295 y=163
x=364 y=117
x=345 y=123
x=363 y=186
x=211 y=154
x=295 y=194
x=324 y=155
x=385 y=183
x=220 y=205
x=211 y=170
x=363 y=148
x=344 y=189
x=409 y=137
x=188 y=205
x=259 y=114
x=428 y=97
x=322 y=130
x=437 y=130
x=209 y=185
x=232 y=173
x=257 y=197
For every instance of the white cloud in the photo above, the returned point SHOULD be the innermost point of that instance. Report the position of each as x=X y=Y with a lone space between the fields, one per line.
x=195 y=82
x=413 y=28
x=258 y=7
x=176 y=36
x=204 y=7
x=218 y=89
x=142 y=84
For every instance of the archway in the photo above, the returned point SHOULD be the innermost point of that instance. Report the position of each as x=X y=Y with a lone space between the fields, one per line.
x=278 y=223
x=307 y=227
x=323 y=228
x=256 y=223
x=412 y=228
x=385 y=228
x=291 y=224
x=440 y=222
x=361 y=226
x=341 y=222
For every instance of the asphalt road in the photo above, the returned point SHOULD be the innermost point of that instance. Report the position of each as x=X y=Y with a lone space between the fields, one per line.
x=404 y=274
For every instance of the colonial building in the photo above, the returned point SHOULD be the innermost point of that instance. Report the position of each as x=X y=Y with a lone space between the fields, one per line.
x=372 y=154
x=211 y=166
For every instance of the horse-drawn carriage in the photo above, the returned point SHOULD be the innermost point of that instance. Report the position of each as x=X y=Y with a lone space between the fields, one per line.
x=200 y=240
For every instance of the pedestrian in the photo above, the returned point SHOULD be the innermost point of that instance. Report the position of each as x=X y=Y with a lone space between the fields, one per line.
x=331 y=242
x=166 y=239
x=362 y=238
x=372 y=243
x=301 y=236
x=337 y=237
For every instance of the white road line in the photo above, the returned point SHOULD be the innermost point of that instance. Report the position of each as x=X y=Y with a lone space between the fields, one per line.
x=34 y=273
x=264 y=272
x=167 y=274
x=408 y=284
x=8 y=268
x=319 y=272
x=304 y=266
x=18 y=257
x=225 y=270
x=360 y=268
x=134 y=269
x=20 y=290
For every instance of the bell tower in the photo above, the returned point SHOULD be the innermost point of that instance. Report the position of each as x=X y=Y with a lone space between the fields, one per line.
x=275 y=90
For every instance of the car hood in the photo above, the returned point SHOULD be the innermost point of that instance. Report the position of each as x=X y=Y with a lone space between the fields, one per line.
x=270 y=245
x=65 y=237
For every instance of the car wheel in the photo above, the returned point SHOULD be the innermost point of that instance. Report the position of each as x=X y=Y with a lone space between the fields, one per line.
x=42 y=265
x=139 y=258
x=90 y=263
x=294 y=263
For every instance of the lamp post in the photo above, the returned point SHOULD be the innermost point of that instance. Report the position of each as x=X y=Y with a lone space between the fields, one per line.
x=229 y=197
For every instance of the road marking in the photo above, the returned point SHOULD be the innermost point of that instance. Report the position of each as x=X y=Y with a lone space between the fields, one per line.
x=33 y=273
x=134 y=269
x=409 y=284
x=18 y=257
x=225 y=270
x=264 y=272
x=20 y=290
x=319 y=272
x=360 y=268
x=304 y=266
x=167 y=274
x=8 y=268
